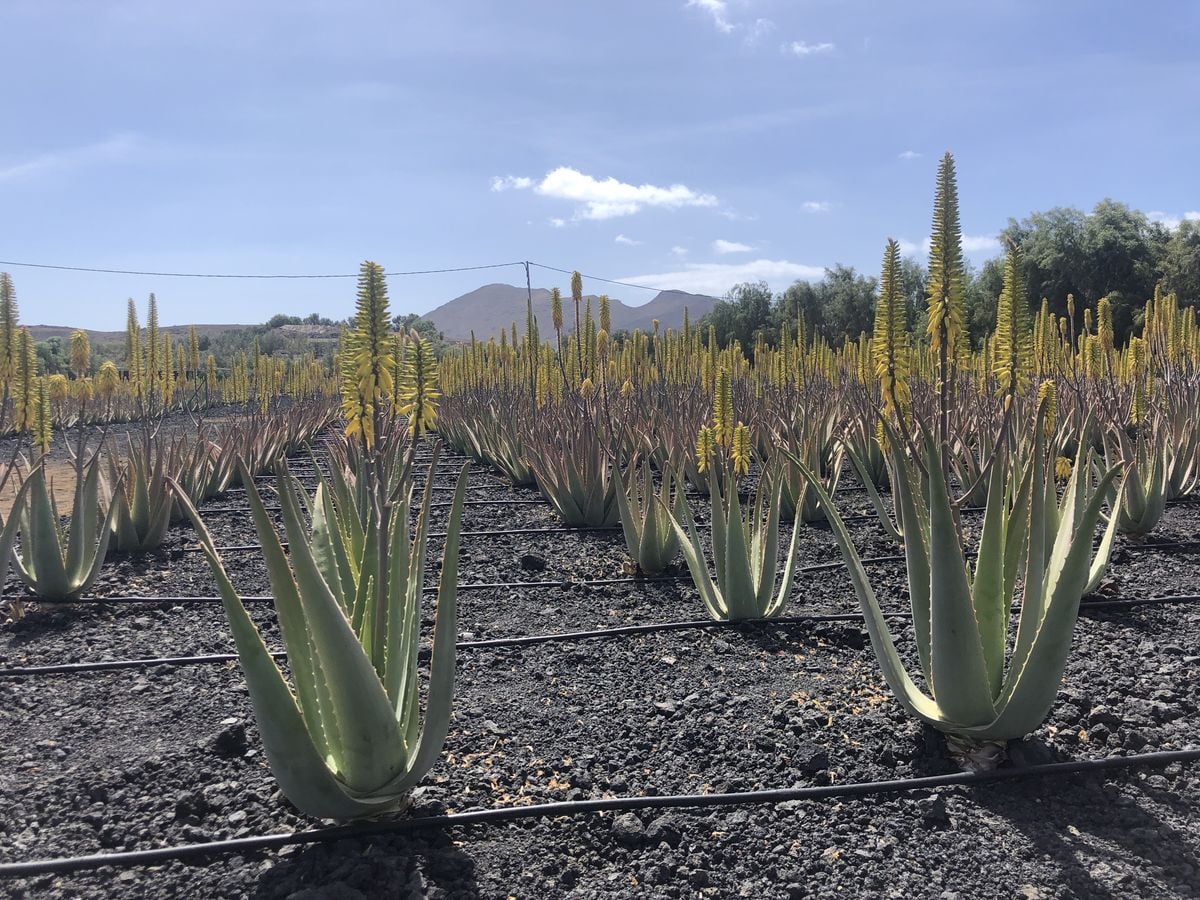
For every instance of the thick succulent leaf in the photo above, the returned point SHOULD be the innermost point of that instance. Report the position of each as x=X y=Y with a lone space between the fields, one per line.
x=789 y=572
x=718 y=525
x=370 y=738
x=311 y=687
x=959 y=676
x=738 y=588
x=916 y=552
x=693 y=555
x=8 y=535
x=327 y=542
x=85 y=514
x=43 y=556
x=992 y=604
x=914 y=701
x=1035 y=676
x=440 y=698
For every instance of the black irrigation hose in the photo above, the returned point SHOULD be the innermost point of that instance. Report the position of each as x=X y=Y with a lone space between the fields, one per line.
x=473 y=586
x=244 y=510
x=243 y=548
x=564 y=636
x=501 y=814
x=1162 y=546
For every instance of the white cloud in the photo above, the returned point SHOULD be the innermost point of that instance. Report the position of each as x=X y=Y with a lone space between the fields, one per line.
x=909 y=155
x=508 y=182
x=980 y=243
x=115 y=149
x=803 y=48
x=734 y=216
x=680 y=252
x=1173 y=222
x=628 y=241
x=717 y=278
x=757 y=31
x=722 y=247
x=817 y=206
x=609 y=198
x=718 y=9
x=974 y=244
x=558 y=223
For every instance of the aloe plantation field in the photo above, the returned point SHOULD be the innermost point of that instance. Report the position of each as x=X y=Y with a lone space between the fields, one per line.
x=568 y=612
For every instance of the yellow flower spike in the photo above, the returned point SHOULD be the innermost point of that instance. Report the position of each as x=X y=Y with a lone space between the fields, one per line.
x=1047 y=398
x=705 y=448
x=1062 y=468
x=723 y=408
x=740 y=452
x=890 y=342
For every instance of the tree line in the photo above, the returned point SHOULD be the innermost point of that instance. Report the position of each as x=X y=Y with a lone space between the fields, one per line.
x=1114 y=251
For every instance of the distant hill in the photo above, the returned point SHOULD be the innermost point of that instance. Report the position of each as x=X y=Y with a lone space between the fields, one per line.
x=485 y=311
x=45 y=332
x=493 y=307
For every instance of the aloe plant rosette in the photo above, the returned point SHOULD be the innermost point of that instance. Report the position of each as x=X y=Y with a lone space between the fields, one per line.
x=348 y=740
x=961 y=617
x=745 y=552
x=59 y=563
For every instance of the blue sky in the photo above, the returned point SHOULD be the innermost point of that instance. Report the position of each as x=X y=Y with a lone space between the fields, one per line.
x=675 y=143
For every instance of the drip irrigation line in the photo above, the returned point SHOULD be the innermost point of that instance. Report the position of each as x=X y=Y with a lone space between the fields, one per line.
x=488 y=643
x=490 y=533
x=464 y=585
x=555 y=637
x=1161 y=546
x=244 y=510
x=500 y=814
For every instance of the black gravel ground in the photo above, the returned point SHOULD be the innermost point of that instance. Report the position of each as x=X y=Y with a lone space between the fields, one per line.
x=162 y=756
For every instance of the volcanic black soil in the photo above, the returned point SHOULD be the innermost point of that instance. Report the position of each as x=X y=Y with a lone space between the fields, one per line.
x=164 y=755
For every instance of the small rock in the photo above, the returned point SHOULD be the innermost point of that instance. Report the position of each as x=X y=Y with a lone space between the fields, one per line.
x=1134 y=740
x=812 y=759
x=628 y=829
x=666 y=829
x=1102 y=715
x=665 y=707
x=531 y=562
x=934 y=813
x=230 y=741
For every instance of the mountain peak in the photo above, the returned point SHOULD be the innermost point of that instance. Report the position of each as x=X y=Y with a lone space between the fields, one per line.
x=489 y=309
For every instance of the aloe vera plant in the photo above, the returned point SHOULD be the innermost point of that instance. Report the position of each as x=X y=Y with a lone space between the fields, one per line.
x=822 y=454
x=1143 y=493
x=979 y=695
x=60 y=562
x=1083 y=485
x=143 y=497
x=646 y=517
x=573 y=474
x=745 y=553
x=347 y=739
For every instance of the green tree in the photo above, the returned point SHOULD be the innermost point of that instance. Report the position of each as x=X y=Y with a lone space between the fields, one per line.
x=741 y=314
x=424 y=329
x=983 y=290
x=1114 y=252
x=1181 y=263
x=849 y=301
